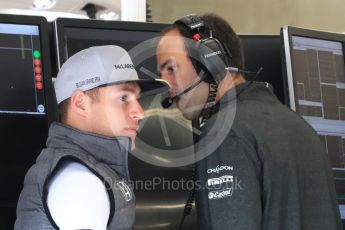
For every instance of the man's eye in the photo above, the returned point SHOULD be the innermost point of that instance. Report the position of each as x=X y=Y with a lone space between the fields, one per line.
x=171 y=69
x=124 y=98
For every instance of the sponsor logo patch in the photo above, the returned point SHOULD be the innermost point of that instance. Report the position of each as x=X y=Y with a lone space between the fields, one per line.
x=126 y=191
x=220 y=180
x=220 y=194
x=220 y=168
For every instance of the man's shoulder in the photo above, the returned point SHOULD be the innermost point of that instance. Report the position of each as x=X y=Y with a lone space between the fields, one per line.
x=70 y=171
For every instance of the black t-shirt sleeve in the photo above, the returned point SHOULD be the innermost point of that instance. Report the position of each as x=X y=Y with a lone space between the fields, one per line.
x=233 y=186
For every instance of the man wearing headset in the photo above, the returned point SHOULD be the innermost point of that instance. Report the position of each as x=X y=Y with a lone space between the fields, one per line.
x=267 y=169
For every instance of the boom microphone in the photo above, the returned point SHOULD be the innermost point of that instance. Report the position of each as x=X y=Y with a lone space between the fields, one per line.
x=168 y=101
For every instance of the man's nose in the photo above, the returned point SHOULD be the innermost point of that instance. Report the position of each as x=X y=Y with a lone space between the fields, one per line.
x=171 y=81
x=137 y=112
x=169 y=77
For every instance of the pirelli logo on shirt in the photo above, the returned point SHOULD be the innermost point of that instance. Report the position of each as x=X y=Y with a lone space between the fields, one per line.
x=220 y=180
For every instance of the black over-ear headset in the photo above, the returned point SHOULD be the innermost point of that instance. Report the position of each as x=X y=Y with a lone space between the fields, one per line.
x=208 y=56
x=207 y=53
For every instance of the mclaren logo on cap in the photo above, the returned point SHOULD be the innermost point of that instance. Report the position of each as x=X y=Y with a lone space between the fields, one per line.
x=124 y=66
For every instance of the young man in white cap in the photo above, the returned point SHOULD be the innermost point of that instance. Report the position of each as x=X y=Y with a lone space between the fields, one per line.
x=81 y=180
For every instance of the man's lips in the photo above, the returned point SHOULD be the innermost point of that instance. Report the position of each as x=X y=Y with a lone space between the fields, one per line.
x=132 y=130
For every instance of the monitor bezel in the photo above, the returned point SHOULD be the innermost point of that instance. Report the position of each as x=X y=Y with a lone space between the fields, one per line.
x=24 y=161
x=287 y=32
x=60 y=24
x=42 y=23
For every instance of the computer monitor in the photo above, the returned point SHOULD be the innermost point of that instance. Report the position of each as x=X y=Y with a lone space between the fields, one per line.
x=162 y=133
x=24 y=67
x=262 y=50
x=314 y=71
x=27 y=100
x=73 y=35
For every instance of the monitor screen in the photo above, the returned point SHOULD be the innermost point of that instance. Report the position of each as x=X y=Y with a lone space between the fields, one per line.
x=163 y=133
x=21 y=68
x=265 y=51
x=314 y=68
x=73 y=35
x=27 y=102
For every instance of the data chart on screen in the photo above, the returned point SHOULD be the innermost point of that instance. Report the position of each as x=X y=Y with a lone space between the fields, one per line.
x=320 y=86
x=21 y=87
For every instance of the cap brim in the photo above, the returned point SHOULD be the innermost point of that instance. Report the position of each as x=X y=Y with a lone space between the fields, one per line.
x=151 y=87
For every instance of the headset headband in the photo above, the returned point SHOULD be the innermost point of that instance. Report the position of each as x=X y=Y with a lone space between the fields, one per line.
x=194 y=23
x=208 y=53
x=191 y=21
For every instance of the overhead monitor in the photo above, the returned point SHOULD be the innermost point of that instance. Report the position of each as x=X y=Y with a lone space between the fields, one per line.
x=21 y=88
x=73 y=35
x=314 y=69
x=27 y=100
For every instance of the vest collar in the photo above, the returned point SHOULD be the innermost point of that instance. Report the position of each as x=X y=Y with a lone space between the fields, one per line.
x=112 y=151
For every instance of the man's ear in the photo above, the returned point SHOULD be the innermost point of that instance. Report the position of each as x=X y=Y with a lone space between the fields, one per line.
x=79 y=102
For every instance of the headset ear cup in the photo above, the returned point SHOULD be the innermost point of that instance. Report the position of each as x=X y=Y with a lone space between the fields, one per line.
x=208 y=55
x=212 y=58
x=194 y=55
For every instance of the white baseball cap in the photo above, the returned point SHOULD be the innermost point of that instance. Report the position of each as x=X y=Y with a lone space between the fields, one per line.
x=98 y=66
